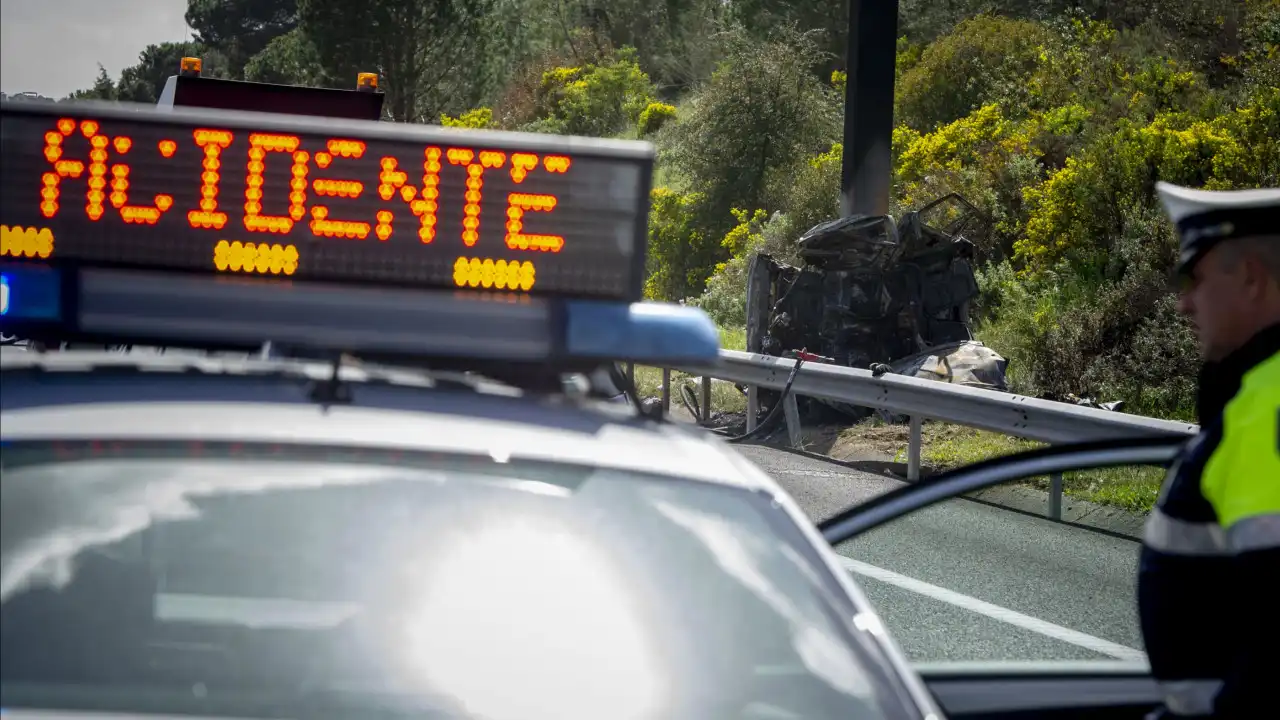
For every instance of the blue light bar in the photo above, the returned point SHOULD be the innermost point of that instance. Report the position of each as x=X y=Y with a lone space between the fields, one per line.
x=29 y=293
x=666 y=331
x=145 y=307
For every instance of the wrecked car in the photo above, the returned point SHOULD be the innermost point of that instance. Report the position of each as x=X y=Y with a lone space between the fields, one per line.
x=872 y=291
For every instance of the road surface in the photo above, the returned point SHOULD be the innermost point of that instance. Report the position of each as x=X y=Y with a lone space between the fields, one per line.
x=967 y=581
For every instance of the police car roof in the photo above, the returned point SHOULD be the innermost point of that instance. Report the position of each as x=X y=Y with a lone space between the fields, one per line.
x=88 y=395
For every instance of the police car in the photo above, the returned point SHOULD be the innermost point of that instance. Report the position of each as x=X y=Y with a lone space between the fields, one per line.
x=423 y=506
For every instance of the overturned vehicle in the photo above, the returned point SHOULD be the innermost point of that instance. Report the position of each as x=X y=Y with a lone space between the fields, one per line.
x=879 y=294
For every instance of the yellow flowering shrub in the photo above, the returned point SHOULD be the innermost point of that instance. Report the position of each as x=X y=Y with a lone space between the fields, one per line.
x=477 y=118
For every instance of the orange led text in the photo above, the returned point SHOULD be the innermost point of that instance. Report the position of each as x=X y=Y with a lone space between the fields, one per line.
x=104 y=163
x=259 y=145
x=213 y=142
x=321 y=223
x=96 y=194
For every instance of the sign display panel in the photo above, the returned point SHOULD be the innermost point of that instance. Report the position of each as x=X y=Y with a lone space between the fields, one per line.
x=221 y=94
x=310 y=199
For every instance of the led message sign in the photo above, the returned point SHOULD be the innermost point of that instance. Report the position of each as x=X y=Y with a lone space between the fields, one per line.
x=307 y=199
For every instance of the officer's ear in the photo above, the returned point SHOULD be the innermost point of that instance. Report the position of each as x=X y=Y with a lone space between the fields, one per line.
x=1258 y=264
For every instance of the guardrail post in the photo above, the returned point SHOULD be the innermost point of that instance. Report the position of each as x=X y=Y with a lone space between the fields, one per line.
x=753 y=406
x=913 y=448
x=706 y=399
x=1055 y=496
x=666 y=391
x=792 y=413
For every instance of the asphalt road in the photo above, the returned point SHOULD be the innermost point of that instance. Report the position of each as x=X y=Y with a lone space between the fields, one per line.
x=967 y=581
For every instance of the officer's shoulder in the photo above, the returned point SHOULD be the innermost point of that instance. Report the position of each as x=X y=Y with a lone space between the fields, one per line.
x=1259 y=395
x=1265 y=376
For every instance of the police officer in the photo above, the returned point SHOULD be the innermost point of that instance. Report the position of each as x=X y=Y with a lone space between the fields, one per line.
x=1209 y=571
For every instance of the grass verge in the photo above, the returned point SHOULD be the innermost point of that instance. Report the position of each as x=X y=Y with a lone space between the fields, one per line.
x=1130 y=488
x=724 y=396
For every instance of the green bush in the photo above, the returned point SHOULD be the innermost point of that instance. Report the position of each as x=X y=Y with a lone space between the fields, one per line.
x=654 y=116
x=984 y=59
x=725 y=297
x=986 y=157
x=680 y=255
x=478 y=118
x=810 y=196
x=594 y=99
x=1111 y=331
x=1079 y=209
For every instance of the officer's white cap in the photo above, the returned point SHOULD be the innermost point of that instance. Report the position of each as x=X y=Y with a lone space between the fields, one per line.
x=1181 y=202
x=1205 y=217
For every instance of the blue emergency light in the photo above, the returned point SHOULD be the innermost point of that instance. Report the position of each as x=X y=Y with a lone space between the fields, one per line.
x=228 y=230
x=29 y=294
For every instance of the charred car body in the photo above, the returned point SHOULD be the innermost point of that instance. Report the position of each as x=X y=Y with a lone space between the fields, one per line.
x=874 y=292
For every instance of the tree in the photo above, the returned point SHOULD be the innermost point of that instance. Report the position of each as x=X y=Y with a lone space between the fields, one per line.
x=104 y=88
x=672 y=39
x=430 y=53
x=240 y=29
x=762 y=112
x=828 y=20
x=289 y=59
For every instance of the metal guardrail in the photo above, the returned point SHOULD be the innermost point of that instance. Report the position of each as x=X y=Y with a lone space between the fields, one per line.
x=921 y=399
x=917 y=398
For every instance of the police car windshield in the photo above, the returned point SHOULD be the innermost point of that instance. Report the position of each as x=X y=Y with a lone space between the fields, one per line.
x=241 y=581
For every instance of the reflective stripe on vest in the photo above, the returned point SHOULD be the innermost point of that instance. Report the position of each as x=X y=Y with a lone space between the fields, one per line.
x=1181 y=537
x=1190 y=697
x=1260 y=532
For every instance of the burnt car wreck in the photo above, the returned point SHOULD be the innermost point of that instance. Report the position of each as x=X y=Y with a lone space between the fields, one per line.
x=879 y=294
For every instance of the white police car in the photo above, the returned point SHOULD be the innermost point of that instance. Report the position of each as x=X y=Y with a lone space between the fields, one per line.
x=452 y=524
x=214 y=538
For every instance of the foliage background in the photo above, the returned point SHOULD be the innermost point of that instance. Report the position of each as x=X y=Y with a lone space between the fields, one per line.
x=1055 y=117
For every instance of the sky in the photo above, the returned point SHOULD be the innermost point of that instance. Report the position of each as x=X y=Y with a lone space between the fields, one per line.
x=53 y=47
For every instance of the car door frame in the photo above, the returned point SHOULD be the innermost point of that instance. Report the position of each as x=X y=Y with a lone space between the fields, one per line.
x=1035 y=688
